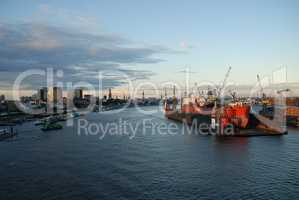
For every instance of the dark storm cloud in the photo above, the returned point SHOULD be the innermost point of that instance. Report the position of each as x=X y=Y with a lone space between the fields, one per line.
x=80 y=55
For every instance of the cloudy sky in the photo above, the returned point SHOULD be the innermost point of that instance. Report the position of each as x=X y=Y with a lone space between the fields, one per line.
x=148 y=40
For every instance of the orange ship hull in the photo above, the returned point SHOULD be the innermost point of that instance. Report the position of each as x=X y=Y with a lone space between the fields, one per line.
x=238 y=115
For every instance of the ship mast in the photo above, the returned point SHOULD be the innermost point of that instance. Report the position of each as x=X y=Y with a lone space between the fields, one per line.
x=174 y=90
x=187 y=80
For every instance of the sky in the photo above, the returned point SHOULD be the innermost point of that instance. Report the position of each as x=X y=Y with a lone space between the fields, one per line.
x=148 y=40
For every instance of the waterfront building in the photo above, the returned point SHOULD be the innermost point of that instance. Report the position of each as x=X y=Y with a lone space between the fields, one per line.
x=2 y=98
x=87 y=97
x=43 y=94
x=110 y=94
x=78 y=94
x=55 y=99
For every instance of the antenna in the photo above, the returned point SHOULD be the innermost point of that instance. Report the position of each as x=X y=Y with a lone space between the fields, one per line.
x=187 y=72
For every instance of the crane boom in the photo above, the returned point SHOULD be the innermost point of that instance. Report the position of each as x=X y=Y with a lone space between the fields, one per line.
x=224 y=81
x=261 y=87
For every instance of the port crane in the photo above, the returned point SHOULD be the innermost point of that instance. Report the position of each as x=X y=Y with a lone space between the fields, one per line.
x=233 y=94
x=265 y=102
x=220 y=90
x=263 y=95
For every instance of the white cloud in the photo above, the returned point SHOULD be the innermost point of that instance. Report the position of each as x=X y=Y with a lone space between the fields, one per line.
x=79 y=54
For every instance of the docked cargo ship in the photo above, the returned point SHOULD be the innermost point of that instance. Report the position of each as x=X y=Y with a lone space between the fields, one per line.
x=191 y=109
x=233 y=119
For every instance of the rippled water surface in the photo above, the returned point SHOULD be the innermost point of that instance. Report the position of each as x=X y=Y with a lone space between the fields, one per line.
x=64 y=165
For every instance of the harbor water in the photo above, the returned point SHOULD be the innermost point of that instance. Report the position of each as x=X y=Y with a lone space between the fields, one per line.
x=69 y=164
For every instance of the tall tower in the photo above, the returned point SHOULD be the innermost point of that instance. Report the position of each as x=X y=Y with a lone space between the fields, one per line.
x=143 y=95
x=110 y=94
x=79 y=93
x=43 y=94
x=174 y=90
x=2 y=98
x=54 y=99
x=165 y=93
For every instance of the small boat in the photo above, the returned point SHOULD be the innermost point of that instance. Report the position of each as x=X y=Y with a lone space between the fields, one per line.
x=5 y=133
x=76 y=114
x=61 y=118
x=39 y=122
x=51 y=120
x=51 y=126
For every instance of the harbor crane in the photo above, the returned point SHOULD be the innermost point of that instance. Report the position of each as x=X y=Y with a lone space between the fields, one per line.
x=233 y=94
x=263 y=95
x=264 y=100
x=220 y=90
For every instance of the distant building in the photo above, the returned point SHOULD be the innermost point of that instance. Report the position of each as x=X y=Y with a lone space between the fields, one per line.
x=35 y=97
x=26 y=99
x=3 y=108
x=2 y=98
x=58 y=97
x=110 y=94
x=55 y=98
x=78 y=93
x=54 y=94
x=64 y=100
x=43 y=94
x=11 y=107
x=88 y=96
x=81 y=103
